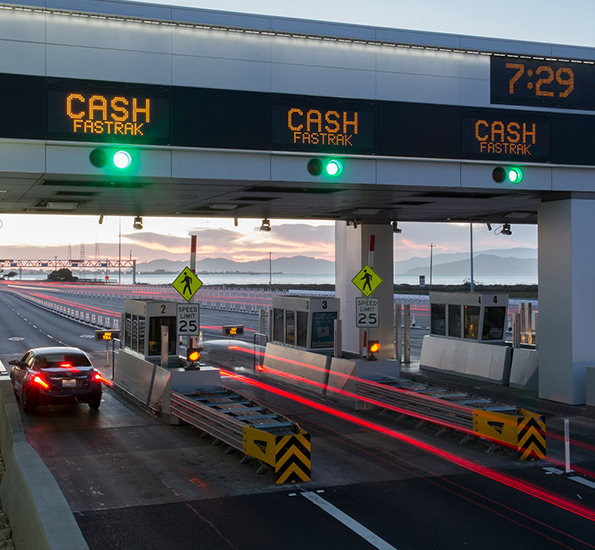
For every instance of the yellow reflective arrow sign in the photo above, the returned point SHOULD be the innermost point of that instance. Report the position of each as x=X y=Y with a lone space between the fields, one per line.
x=367 y=280
x=187 y=284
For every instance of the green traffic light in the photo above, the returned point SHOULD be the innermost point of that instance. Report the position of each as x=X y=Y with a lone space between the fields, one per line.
x=122 y=159
x=511 y=174
x=106 y=158
x=515 y=175
x=334 y=168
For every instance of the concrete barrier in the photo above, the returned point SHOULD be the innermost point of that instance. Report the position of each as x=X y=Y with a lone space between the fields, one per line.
x=39 y=515
x=296 y=368
x=489 y=362
x=343 y=375
x=524 y=372
x=590 y=383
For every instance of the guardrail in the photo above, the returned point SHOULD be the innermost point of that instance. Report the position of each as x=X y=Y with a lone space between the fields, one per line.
x=250 y=428
x=505 y=425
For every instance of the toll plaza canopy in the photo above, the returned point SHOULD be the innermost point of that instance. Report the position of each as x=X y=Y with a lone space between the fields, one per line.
x=222 y=114
x=121 y=108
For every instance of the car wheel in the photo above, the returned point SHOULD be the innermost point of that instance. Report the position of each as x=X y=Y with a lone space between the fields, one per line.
x=95 y=401
x=28 y=400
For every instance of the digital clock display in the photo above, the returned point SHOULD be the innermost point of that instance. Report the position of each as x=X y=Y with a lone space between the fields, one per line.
x=303 y=125
x=101 y=113
x=542 y=83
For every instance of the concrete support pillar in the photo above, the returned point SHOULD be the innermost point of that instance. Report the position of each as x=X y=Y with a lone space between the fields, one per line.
x=351 y=255
x=566 y=268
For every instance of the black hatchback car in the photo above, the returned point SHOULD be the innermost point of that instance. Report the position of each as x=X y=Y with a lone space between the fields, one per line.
x=51 y=376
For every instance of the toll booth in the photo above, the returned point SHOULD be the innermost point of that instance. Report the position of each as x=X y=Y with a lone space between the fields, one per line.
x=480 y=317
x=306 y=322
x=142 y=372
x=141 y=327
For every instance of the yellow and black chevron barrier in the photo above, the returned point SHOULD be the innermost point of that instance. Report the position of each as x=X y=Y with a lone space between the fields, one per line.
x=289 y=455
x=524 y=432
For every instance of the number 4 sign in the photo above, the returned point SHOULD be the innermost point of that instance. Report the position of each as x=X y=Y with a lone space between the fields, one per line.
x=188 y=319
x=366 y=310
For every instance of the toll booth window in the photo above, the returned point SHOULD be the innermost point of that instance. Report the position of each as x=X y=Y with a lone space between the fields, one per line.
x=278 y=325
x=493 y=323
x=454 y=321
x=302 y=329
x=155 y=324
x=472 y=322
x=128 y=330
x=438 y=319
x=134 y=338
x=290 y=327
x=323 y=329
x=141 y=335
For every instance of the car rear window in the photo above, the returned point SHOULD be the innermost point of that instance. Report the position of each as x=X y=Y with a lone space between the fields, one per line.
x=60 y=359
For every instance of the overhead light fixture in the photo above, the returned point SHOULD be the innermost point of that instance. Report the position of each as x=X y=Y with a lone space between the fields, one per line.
x=518 y=215
x=235 y=221
x=367 y=211
x=506 y=229
x=266 y=225
x=489 y=226
x=61 y=205
x=224 y=206
x=396 y=228
x=138 y=223
x=100 y=219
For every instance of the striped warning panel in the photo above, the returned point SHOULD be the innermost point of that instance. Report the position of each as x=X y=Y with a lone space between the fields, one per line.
x=292 y=458
x=531 y=436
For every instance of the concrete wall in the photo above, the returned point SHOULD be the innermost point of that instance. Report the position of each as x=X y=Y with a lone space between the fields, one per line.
x=38 y=513
x=466 y=358
x=524 y=371
x=590 y=386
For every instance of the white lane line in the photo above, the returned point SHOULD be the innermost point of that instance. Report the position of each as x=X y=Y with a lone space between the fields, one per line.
x=349 y=522
x=583 y=481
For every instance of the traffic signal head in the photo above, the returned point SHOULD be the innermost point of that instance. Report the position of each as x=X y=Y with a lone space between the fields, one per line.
x=192 y=355
x=332 y=168
x=110 y=158
x=373 y=347
x=510 y=174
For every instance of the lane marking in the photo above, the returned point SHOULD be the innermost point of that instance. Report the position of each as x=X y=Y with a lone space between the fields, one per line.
x=583 y=481
x=349 y=522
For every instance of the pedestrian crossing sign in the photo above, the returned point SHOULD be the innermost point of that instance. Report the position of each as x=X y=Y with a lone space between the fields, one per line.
x=187 y=284
x=367 y=280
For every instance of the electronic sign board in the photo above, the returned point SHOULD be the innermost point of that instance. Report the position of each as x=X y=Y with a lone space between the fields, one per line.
x=319 y=125
x=91 y=111
x=505 y=135
x=542 y=83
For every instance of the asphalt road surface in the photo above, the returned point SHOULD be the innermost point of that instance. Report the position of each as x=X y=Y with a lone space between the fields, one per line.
x=135 y=483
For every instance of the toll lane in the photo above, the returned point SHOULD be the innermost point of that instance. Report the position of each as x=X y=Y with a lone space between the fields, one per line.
x=133 y=482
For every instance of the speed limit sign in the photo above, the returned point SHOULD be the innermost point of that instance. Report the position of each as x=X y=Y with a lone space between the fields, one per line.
x=188 y=322
x=366 y=312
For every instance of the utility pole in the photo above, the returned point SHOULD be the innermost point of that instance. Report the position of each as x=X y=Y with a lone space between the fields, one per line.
x=432 y=246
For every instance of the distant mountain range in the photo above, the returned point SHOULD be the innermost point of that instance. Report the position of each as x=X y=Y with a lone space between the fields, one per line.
x=296 y=264
x=511 y=261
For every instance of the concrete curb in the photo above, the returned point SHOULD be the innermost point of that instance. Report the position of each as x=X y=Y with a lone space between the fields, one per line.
x=39 y=515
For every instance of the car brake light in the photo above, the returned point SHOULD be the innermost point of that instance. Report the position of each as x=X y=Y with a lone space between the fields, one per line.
x=65 y=365
x=100 y=378
x=41 y=382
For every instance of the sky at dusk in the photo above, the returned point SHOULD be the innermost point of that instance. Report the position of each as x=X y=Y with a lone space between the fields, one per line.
x=40 y=237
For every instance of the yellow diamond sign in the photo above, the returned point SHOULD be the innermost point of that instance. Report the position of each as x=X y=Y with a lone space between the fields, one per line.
x=187 y=284
x=367 y=280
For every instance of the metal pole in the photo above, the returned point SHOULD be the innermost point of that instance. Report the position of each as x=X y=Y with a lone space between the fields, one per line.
x=407 y=327
x=523 y=323
x=270 y=271
x=471 y=252
x=567 y=469
x=398 y=337
x=120 y=250
x=529 y=323
x=338 y=352
x=431 y=245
